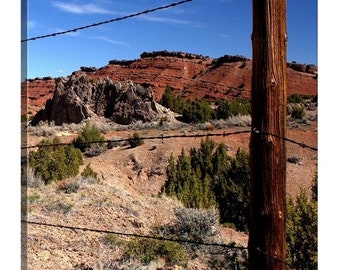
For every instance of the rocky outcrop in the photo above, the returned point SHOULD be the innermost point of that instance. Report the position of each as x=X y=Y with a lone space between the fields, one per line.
x=312 y=69
x=133 y=103
x=88 y=69
x=166 y=53
x=77 y=98
x=191 y=76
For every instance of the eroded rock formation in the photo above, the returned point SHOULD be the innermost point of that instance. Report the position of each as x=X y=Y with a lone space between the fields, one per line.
x=77 y=98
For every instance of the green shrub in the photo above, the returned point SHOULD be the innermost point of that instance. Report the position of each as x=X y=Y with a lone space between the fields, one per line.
x=171 y=101
x=302 y=229
x=173 y=253
x=185 y=183
x=113 y=240
x=200 y=111
x=148 y=250
x=88 y=172
x=298 y=112
x=295 y=98
x=89 y=138
x=208 y=177
x=135 y=140
x=228 y=108
x=232 y=190
x=197 y=111
x=50 y=163
x=163 y=120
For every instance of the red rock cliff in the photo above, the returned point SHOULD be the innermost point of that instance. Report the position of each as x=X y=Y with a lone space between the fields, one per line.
x=191 y=76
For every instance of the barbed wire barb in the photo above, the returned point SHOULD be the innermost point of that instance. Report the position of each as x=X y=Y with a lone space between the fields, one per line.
x=302 y=144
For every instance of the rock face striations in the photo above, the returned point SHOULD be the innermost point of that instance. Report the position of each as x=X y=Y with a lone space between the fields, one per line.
x=77 y=98
x=191 y=76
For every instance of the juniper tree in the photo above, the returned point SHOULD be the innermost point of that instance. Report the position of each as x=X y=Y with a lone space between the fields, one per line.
x=55 y=162
x=87 y=137
x=302 y=230
x=208 y=177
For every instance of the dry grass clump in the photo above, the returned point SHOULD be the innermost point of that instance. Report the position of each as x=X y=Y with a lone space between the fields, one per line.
x=137 y=166
x=59 y=207
x=28 y=179
x=43 y=129
x=233 y=121
x=239 y=121
x=68 y=186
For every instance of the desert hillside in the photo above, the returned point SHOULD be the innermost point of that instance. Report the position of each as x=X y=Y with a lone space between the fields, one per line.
x=127 y=197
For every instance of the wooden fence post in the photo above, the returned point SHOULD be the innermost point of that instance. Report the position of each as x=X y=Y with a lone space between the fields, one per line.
x=267 y=229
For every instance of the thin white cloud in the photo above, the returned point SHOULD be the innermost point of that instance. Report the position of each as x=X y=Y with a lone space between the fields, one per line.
x=225 y=36
x=115 y=42
x=164 y=20
x=80 y=9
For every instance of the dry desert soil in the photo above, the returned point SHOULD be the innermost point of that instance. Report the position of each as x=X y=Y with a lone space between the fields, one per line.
x=127 y=199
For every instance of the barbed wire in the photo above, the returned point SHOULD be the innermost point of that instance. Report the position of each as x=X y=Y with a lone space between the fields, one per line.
x=198 y=243
x=159 y=238
x=163 y=137
x=108 y=21
x=302 y=144
x=160 y=137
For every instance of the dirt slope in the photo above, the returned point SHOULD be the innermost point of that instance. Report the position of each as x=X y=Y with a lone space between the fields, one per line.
x=127 y=197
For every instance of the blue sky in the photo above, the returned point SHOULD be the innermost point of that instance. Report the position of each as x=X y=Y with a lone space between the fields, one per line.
x=209 y=27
